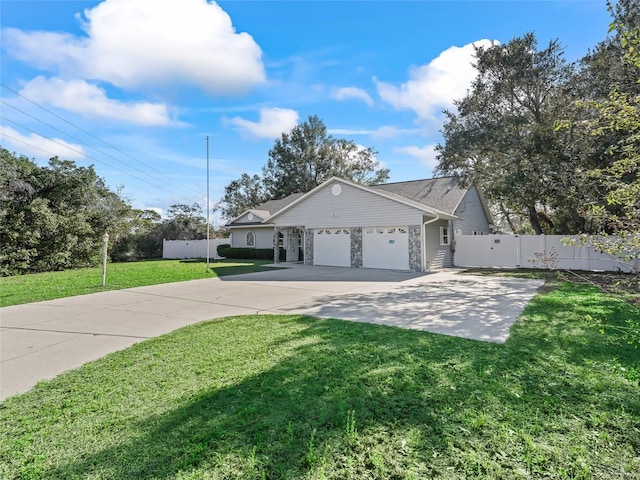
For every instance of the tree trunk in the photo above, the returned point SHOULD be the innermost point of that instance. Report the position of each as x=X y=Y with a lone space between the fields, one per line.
x=535 y=221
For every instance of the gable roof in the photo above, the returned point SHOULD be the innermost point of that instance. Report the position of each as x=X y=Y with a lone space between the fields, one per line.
x=377 y=191
x=266 y=209
x=273 y=206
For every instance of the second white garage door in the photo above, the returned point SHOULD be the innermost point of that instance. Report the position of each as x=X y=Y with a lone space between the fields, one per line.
x=332 y=246
x=386 y=247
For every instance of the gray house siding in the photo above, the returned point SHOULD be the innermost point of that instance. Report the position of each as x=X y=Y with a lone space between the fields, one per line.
x=352 y=207
x=437 y=256
x=472 y=217
x=263 y=235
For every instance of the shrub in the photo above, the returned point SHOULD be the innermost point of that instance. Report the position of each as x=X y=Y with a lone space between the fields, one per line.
x=227 y=251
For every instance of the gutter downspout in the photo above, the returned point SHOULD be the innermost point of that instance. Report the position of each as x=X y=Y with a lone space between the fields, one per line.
x=424 y=241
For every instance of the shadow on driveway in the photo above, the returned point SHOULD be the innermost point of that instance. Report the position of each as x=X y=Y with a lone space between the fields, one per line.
x=478 y=308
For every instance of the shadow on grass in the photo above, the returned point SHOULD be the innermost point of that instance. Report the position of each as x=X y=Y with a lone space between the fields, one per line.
x=226 y=267
x=345 y=395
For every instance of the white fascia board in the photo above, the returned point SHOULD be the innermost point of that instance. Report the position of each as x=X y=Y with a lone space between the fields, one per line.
x=399 y=199
x=251 y=225
x=262 y=214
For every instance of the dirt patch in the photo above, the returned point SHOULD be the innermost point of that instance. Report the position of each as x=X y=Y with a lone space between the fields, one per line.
x=627 y=285
x=622 y=284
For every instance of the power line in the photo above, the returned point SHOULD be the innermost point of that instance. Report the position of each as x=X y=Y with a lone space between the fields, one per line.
x=168 y=185
x=80 y=152
x=48 y=152
x=165 y=185
x=79 y=128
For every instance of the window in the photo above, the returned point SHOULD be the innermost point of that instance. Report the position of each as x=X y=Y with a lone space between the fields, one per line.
x=251 y=239
x=475 y=232
x=444 y=235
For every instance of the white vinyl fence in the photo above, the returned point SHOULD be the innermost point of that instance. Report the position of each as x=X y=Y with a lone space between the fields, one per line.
x=191 y=248
x=533 y=251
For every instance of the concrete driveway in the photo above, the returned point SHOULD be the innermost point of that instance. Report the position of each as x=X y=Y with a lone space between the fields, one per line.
x=41 y=340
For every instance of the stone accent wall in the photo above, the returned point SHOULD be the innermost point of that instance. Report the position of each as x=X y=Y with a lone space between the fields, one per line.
x=276 y=250
x=308 y=246
x=356 y=247
x=415 y=248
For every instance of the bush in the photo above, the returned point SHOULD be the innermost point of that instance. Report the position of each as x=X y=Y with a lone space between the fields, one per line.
x=227 y=251
x=222 y=249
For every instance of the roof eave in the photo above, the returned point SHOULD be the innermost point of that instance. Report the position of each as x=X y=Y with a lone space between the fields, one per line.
x=382 y=193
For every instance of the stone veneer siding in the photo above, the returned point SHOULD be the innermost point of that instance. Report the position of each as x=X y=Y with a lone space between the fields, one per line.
x=356 y=247
x=308 y=246
x=415 y=248
x=276 y=250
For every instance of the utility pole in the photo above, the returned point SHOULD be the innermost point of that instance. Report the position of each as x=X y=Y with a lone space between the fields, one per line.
x=208 y=205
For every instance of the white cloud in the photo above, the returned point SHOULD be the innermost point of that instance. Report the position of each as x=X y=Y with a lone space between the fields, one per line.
x=38 y=146
x=82 y=97
x=348 y=93
x=146 y=43
x=426 y=154
x=435 y=85
x=386 y=131
x=273 y=122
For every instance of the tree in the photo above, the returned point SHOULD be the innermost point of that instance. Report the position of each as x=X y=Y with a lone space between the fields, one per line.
x=185 y=222
x=242 y=194
x=619 y=120
x=503 y=134
x=307 y=156
x=299 y=161
x=52 y=217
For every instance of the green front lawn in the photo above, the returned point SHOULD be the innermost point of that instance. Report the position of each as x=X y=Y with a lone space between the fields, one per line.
x=47 y=286
x=293 y=397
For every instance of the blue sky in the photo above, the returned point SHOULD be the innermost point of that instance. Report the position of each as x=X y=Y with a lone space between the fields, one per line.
x=134 y=86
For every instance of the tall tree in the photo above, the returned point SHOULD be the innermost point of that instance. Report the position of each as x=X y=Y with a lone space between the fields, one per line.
x=503 y=134
x=299 y=161
x=242 y=194
x=306 y=156
x=619 y=175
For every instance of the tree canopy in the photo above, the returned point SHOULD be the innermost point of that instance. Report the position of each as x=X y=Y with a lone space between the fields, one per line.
x=52 y=217
x=503 y=134
x=299 y=161
x=616 y=127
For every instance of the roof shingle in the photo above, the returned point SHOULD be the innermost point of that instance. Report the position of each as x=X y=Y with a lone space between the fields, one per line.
x=443 y=194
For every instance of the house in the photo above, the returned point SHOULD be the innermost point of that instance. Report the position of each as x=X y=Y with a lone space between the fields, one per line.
x=401 y=226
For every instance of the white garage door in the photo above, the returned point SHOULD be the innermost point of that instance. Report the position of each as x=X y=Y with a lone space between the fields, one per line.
x=386 y=247
x=332 y=246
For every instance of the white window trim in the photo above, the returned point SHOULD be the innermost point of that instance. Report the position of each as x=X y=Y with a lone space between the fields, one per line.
x=444 y=236
x=246 y=239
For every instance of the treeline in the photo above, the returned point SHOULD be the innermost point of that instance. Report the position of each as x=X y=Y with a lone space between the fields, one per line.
x=53 y=218
x=554 y=145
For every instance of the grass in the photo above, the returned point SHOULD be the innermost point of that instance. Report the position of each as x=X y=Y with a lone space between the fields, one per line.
x=47 y=286
x=293 y=397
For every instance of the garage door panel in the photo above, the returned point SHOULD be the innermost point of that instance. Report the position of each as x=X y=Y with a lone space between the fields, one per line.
x=332 y=247
x=386 y=247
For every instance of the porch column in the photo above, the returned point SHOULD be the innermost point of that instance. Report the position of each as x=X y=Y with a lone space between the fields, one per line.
x=276 y=248
x=415 y=248
x=308 y=246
